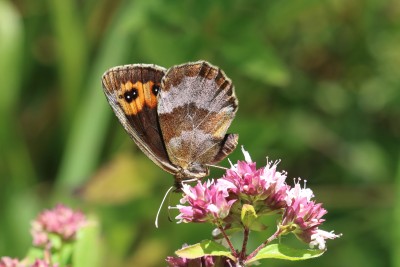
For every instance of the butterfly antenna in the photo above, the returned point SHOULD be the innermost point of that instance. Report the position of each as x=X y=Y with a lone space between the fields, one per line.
x=162 y=203
x=216 y=166
x=169 y=208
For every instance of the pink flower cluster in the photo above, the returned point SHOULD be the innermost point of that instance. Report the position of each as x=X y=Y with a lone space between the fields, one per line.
x=61 y=220
x=266 y=190
x=9 y=262
x=207 y=202
x=264 y=187
x=42 y=263
x=303 y=216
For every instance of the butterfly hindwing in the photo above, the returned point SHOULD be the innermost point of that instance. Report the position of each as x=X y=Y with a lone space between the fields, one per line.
x=196 y=106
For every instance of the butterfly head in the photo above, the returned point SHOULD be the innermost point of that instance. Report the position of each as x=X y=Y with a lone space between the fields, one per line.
x=192 y=173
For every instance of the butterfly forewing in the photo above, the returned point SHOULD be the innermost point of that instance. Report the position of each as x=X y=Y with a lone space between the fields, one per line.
x=132 y=93
x=196 y=106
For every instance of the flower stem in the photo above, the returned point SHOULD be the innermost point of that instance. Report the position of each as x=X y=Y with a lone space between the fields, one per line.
x=269 y=240
x=234 y=253
x=244 y=246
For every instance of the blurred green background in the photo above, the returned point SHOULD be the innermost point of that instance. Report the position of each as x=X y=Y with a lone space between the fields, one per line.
x=318 y=84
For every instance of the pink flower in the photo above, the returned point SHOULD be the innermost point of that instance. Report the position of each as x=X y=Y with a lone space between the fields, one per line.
x=42 y=263
x=300 y=210
x=177 y=262
x=61 y=220
x=40 y=236
x=302 y=216
x=265 y=186
x=319 y=236
x=9 y=262
x=206 y=202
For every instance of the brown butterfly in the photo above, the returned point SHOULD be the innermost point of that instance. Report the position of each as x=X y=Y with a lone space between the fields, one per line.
x=178 y=117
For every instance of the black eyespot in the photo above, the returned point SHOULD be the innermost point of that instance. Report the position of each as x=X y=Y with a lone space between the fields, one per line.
x=131 y=95
x=155 y=89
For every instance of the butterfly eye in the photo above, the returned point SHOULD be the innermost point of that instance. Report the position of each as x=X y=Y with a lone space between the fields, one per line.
x=131 y=95
x=155 y=89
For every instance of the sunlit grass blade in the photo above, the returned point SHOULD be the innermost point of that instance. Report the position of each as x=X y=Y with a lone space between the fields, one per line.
x=88 y=131
x=72 y=48
x=396 y=220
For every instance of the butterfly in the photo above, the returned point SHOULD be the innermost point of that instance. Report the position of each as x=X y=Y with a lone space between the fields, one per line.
x=178 y=116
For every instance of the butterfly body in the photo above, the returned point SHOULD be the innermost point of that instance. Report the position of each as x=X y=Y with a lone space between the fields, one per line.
x=178 y=117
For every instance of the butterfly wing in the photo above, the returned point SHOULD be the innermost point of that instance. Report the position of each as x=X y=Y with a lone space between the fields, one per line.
x=132 y=93
x=197 y=104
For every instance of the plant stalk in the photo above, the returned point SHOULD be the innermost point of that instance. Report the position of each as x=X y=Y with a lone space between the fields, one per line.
x=234 y=253
x=269 y=240
x=244 y=246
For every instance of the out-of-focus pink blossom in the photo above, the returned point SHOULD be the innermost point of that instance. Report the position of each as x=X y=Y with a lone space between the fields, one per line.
x=61 y=220
x=206 y=202
x=10 y=262
x=39 y=235
x=42 y=263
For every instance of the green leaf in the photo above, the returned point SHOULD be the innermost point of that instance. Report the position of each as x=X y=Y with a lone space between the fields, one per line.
x=11 y=54
x=64 y=256
x=250 y=219
x=72 y=51
x=34 y=253
x=257 y=226
x=205 y=247
x=248 y=214
x=279 y=251
x=88 y=237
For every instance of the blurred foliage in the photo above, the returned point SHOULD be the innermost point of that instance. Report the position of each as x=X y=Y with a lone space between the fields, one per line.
x=318 y=84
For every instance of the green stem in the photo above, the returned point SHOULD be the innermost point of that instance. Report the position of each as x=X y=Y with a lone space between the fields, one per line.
x=396 y=219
